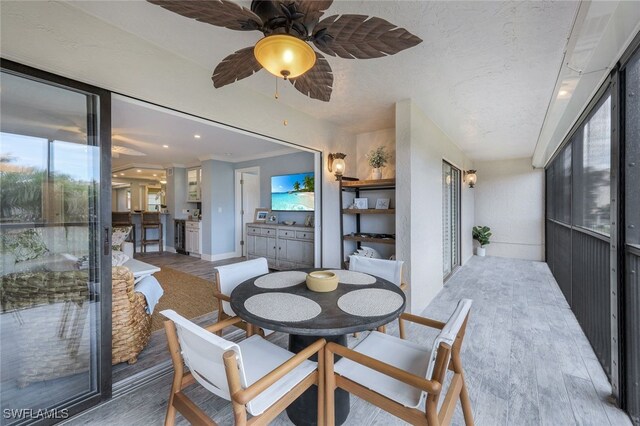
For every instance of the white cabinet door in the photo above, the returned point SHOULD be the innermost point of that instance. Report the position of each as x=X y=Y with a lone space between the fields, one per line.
x=192 y=241
x=260 y=248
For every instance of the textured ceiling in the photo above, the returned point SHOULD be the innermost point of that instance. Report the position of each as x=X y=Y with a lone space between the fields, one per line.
x=485 y=72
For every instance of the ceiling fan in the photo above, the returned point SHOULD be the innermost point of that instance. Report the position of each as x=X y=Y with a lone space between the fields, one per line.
x=288 y=28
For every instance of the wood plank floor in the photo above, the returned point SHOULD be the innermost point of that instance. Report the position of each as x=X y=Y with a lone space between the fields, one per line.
x=527 y=361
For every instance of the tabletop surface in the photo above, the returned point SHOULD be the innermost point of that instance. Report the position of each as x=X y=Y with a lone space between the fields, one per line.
x=331 y=321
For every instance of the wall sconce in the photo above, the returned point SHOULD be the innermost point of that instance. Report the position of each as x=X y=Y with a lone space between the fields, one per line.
x=336 y=164
x=471 y=178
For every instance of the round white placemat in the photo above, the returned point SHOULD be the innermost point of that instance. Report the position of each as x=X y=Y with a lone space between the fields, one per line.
x=370 y=302
x=353 y=277
x=282 y=307
x=281 y=279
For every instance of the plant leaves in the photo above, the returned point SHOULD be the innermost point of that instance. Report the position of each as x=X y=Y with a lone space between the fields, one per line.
x=221 y=13
x=234 y=67
x=316 y=83
x=362 y=37
x=312 y=10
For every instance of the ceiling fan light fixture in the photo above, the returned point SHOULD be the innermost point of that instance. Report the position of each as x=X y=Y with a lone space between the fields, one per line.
x=284 y=55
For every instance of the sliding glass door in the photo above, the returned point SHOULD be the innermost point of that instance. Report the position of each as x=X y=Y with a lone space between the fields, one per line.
x=450 y=218
x=55 y=307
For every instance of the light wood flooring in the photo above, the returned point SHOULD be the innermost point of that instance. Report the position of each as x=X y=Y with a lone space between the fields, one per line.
x=155 y=355
x=527 y=361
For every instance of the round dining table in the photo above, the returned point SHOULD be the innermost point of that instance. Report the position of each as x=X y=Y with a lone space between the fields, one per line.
x=282 y=302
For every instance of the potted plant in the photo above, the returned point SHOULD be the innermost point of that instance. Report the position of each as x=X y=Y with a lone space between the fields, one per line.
x=377 y=159
x=481 y=234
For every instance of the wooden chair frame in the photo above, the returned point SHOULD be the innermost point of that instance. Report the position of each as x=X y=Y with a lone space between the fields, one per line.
x=447 y=355
x=218 y=294
x=178 y=401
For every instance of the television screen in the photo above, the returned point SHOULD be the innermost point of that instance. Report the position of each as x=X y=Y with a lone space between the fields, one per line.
x=293 y=192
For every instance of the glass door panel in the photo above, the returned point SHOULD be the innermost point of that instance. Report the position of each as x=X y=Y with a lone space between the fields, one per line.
x=450 y=218
x=50 y=257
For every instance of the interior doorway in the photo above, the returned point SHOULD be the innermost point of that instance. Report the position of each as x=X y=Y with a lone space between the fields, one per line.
x=247 y=189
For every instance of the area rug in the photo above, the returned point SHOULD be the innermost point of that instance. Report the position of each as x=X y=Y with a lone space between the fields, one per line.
x=186 y=294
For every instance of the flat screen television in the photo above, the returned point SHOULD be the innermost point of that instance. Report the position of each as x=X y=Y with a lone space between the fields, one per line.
x=293 y=192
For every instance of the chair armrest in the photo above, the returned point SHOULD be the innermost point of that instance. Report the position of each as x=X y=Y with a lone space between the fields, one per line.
x=429 y=386
x=422 y=321
x=246 y=395
x=221 y=296
x=223 y=324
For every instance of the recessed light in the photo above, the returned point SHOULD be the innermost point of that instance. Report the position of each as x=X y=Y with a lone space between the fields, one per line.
x=563 y=93
x=139 y=171
x=165 y=146
x=196 y=136
x=155 y=174
x=121 y=174
x=115 y=175
x=163 y=182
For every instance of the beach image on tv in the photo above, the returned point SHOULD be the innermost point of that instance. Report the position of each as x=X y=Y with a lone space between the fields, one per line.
x=292 y=192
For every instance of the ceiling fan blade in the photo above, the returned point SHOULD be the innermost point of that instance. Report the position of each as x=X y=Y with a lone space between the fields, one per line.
x=316 y=83
x=221 y=13
x=234 y=67
x=361 y=37
x=313 y=10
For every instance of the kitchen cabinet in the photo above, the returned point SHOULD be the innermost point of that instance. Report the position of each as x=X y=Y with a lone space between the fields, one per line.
x=194 y=181
x=193 y=237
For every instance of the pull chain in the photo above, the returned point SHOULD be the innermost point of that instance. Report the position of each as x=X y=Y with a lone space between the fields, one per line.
x=277 y=96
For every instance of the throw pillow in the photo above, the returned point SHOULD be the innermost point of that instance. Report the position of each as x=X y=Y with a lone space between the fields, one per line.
x=119 y=236
x=24 y=245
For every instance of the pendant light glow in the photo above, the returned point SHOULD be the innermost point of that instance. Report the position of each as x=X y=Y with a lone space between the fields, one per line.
x=284 y=55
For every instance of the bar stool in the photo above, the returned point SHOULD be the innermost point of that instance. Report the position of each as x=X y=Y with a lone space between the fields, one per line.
x=151 y=220
x=124 y=219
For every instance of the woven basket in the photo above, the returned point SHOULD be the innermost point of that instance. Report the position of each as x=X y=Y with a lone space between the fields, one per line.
x=131 y=325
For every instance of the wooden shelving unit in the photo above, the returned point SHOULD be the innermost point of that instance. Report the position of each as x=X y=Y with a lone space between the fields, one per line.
x=356 y=187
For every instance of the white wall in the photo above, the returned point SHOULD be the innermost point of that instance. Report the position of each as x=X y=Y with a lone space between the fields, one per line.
x=420 y=149
x=58 y=38
x=510 y=200
x=366 y=142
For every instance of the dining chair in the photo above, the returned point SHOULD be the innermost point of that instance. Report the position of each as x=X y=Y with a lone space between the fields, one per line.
x=257 y=376
x=229 y=277
x=398 y=375
x=390 y=270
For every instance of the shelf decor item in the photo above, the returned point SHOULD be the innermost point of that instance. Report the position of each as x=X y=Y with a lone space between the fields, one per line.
x=481 y=234
x=261 y=214
x=378 y=158
x=382 y=204
x=361 y=203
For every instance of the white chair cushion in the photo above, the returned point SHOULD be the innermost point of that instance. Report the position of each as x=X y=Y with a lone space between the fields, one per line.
x=391 y=350
x=259 y=357
x=237 y=273
x=390 y=270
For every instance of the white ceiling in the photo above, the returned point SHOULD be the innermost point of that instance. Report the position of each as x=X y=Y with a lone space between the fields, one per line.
x=147 y=129
x=485 y=72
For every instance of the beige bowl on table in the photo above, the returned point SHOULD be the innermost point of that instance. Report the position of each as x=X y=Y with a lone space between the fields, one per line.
x=322 y=281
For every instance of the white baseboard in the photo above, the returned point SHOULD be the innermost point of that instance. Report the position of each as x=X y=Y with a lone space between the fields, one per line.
x=216 y=257
x=169 y=249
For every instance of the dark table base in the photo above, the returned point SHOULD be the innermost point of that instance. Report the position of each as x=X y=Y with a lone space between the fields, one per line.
x=304 y=410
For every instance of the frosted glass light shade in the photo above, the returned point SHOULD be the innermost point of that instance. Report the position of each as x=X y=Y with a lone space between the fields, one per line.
x=338 y=166
x=284 y=55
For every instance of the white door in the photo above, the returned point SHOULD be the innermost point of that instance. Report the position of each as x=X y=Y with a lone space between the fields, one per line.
x=250 y=196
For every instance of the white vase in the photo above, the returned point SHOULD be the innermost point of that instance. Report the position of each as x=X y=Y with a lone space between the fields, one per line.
x=376 y=173
x=481 y=251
